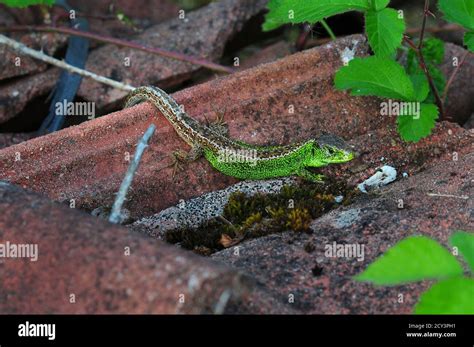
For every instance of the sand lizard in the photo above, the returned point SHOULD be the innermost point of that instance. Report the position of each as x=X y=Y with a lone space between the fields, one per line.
x=236 y=158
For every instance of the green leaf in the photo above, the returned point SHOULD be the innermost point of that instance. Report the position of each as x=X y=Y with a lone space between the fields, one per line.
x=421 y=86
x=458 y=11
x=411 y=65
x=25 y=3
x=465 y=243
x=451 y=296
x=469 y=40
x=413 y=259
x=299 y=11
x=376 y=76
x=378 y=5
x=413 y=128
x=433 y=50
x=384 y=31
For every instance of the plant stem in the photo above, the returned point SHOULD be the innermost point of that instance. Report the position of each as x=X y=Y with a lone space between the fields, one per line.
x=159 y=51
x=453 y=76
x=328 y=29
x=422 y=63
x=421 y=59
x=423 y=26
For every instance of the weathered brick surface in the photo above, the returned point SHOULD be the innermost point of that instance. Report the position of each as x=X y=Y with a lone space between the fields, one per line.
x=82 y=255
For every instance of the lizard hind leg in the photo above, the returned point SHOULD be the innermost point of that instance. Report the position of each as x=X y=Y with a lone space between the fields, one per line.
x=310 y=176
x=181 y=157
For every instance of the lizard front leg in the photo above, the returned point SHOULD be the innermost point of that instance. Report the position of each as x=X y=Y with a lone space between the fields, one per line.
x=219 y=125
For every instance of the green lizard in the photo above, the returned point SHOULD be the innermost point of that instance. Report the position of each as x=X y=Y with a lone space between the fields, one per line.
x=236 y=158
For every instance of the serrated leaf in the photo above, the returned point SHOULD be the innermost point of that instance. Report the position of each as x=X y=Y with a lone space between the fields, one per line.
x=384 y=31
x=299 y=11
x=414 y=128
x=421 y=86
x=458 y=11
x=465 y=243
x=376 y=76
x=415 y=258
x=25 y=3
x=379 y=4
x=451 y=296
x=433 y=50
x=469 y=40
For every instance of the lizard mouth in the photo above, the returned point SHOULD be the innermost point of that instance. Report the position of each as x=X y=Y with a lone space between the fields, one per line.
x=339 y=156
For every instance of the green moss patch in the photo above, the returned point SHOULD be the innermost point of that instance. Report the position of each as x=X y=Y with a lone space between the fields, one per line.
x=247 y=217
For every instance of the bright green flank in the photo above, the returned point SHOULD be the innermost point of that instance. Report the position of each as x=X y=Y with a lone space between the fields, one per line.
x=239 y=159
x=260 y=162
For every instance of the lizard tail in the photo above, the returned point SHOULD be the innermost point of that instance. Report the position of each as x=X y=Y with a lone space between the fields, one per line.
x=158 y=97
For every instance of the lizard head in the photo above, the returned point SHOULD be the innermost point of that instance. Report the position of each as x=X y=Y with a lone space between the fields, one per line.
x=324 y=152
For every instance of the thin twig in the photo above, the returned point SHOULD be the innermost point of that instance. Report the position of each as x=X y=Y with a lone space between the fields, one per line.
x=115 y=215
x=424 y=67
x=423 y=26
x=21 y=48
x=421 y=59
x=123 y=43
x=453 y=76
